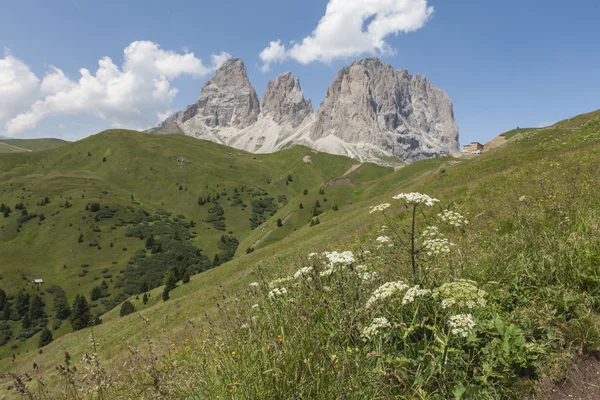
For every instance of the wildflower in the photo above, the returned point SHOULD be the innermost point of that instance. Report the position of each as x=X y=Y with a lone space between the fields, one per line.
x=277 y=292
x=461 y=294
x=276 y=282
x=345 y=257
x=376 y=325
x=430 y=232
x=461 y=324
x=437 y=246
x=303 y=271
x=413 y=293
x=233 y=353
x=253 y=284
x=416 y=199
x=380 y=208
x=453 y=218
x=386 y=290
x=245 y=326
x=383 y=239
x=312 y=255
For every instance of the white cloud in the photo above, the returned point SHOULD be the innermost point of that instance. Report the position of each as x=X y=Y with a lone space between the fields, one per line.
x=351 y=28
x=219 y=59
x=275 y=53
x=134 y=95
x=18 y=86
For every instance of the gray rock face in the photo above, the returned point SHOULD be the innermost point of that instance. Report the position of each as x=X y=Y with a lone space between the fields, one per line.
x=228 y=98
x=379 y=109
x=372 y=112
x=284 y=101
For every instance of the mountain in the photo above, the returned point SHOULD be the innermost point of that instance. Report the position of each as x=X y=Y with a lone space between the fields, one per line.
x=371 y=112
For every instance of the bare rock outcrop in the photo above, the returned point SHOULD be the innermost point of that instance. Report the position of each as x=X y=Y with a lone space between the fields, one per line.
x=372 y=112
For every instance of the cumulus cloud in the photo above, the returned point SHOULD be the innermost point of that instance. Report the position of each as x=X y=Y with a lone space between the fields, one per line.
x=18 y=86
x=133 y=95
x=351 y=28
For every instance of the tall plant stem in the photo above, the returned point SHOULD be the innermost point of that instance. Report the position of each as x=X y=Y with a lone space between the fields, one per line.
x=412 y=239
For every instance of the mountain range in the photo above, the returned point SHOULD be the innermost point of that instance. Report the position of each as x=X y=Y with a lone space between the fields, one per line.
x=371 y=112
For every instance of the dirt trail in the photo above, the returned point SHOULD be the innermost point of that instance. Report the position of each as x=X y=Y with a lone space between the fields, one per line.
x=352 y=169
x=271 y=230
x=15 y=147
x=582 y=383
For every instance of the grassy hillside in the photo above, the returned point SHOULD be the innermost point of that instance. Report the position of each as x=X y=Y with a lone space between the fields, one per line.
x=29 y=145
x=531 y=246
x=82 y=215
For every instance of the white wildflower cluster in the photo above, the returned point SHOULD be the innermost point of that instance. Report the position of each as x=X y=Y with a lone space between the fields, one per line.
x=277 y=282
x=435 y=247
x=413 y=293
x=364 y=273
x=453 y=218
x=253 y=284
x=311 y=255
x=376 y=325
x=386 y=290
x=430 y=232
x=336 y=261
x=345 y=257
x=383 y=239
x=417 y=199
x=462 y=324
x=461 y=294
x=380 y=208
x=277 y=292
x=303 y=272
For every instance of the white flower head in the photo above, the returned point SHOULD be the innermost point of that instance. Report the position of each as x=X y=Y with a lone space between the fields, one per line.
x=303 y=272
x=437 y=246
x=413 y=293
x=277 y=282
x=383 y=239
x=278 y=292
x=380 y=208
x=253 y=284
x=386 y=290
x=374 y=329
x=461 y=324
x=461 y=294
x=417 y=199
x=343 y=258
x=453 y=218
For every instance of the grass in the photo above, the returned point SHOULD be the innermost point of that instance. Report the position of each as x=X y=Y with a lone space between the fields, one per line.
x=25 y=145
x=532 y=246
x=141 y=171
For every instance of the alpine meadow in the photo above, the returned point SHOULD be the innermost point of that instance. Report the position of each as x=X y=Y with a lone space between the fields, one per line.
x=299 y=200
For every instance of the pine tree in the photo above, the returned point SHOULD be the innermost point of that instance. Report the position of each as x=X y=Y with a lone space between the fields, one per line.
x=22 y=303
x=150 y=242
x=301 y=206
x=126 y=308
x=186 y=276
x=216 y=261
x=80 y=240
x=36 y=308
x=165 y=295
x=279 y=223
x=45 y=338
x=145 y=299
x=80 y=314
x=305 y=192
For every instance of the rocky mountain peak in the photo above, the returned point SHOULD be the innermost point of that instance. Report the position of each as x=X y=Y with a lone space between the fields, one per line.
x=372 y=112
x=228 y=98
x=375 y=106
x=284 y=101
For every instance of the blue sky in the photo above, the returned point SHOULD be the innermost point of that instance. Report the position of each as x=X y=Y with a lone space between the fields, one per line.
x=504 y=64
